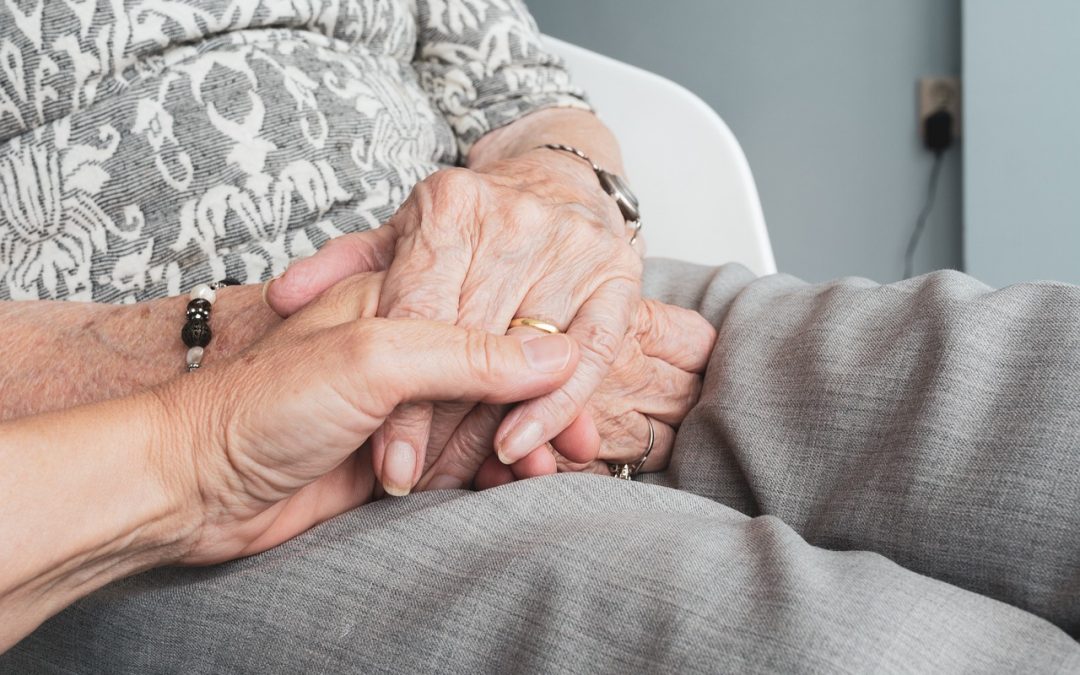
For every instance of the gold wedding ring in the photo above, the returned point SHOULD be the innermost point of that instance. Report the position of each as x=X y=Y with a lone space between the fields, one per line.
x=545 y=326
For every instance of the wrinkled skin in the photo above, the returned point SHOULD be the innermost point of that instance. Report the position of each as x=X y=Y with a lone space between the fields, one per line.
x=281 y=443
x=657 y=373
x=656 y=363
x=532 y=236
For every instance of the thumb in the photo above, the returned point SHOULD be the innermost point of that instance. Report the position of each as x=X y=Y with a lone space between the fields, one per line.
x=349 y=254
x=411 y=360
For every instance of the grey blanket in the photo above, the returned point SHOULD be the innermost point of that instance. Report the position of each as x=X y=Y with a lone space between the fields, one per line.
x=877 y=478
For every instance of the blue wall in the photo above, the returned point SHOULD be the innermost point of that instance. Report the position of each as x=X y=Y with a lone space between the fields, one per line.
x=1022 y=151
x=822 y=96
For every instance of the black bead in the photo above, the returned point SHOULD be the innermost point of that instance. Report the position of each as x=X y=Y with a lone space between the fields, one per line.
x=228 y=281
x=196 y=334
x=199 y=310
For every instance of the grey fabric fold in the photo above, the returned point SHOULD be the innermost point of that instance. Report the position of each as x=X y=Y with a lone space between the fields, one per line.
x=573 y=573
x=935 y=421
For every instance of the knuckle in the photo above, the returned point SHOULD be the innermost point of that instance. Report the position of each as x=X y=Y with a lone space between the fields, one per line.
x=584 y=225
x=360 y=345
x=451 y=413
x=561 y=406
x=688 y=321
x=417 y=310
x=648 y=319
x=372 y=290
x=423 y=302
x=677 y=392
x=354 y=352
x=627 y=365
x=360 y=289
x=598 y=216
x=442 y=199
x=459 y=185
x=454 y=178
x=471 y=448
x=599 y=340
x=446 y=421
x=566 y=466
x=708 y=337
x=484 y=356
x=366 y=254
x=475 y=437
x=681 y=398
x=528 y=210
x=411 y=419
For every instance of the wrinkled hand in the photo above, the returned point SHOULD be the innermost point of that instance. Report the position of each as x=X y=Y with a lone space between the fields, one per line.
x=275 y=431
x=533 y=236
x=657 y=373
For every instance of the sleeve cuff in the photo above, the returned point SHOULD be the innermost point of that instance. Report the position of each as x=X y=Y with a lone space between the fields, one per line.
x=476 y=106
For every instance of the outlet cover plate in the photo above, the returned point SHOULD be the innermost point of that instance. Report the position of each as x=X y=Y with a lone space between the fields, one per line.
x=936 y=93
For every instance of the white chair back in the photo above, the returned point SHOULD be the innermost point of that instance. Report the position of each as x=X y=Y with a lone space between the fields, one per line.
x=698 y=198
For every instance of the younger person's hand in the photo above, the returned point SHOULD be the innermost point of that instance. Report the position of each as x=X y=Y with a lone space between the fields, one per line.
x=277 y=435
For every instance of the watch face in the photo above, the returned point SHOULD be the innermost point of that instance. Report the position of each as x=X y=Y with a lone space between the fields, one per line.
x=620 y=190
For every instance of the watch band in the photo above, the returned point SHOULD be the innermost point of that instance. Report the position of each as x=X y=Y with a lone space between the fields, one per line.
x=612 y=184
x=573 y=151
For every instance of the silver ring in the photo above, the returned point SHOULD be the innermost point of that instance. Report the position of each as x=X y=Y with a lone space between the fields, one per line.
x=628 y=471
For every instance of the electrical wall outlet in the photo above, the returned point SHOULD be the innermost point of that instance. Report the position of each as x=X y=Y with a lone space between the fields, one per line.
x=936 y=93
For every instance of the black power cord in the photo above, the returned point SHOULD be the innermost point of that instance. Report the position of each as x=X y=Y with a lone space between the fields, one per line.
x=938 y=137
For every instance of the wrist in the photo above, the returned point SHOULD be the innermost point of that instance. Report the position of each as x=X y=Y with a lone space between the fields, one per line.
x=185 y=450
x=194 y=467
x=182 y=435
x=558 y=176
x=102 y=503
x=240 y=317
x=580 y=170
x=579 y=128
x=152 y=444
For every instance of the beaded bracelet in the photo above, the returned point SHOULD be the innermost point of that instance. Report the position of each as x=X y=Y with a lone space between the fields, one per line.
x=196 y=332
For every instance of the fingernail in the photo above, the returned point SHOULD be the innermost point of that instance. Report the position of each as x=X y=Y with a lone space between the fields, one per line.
x=444 y=482
x=398 y=467
x=548 y=354
x=520 y=441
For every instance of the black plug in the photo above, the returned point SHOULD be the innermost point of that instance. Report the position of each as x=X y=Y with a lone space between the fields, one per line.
x=937 y=137
x=938 y=131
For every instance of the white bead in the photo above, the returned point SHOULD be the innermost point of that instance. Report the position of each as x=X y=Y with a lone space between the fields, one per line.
x=194 y=356
x=205 y=292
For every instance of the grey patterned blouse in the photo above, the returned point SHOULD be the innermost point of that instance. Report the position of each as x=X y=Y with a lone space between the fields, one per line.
x=149 y=145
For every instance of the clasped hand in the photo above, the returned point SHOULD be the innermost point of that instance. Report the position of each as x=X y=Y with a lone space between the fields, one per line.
x=282 y=439
x=531 y=236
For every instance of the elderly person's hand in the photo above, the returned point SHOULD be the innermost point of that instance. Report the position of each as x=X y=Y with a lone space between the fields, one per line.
x=239 y=457
x=655 y=381
x=533 y=236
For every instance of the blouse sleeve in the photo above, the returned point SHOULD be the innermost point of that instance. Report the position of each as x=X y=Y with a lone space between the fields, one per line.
x=483 y=65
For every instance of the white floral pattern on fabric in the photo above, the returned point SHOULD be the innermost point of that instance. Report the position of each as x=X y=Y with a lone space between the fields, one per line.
x=149 y=145
x=52 y=220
